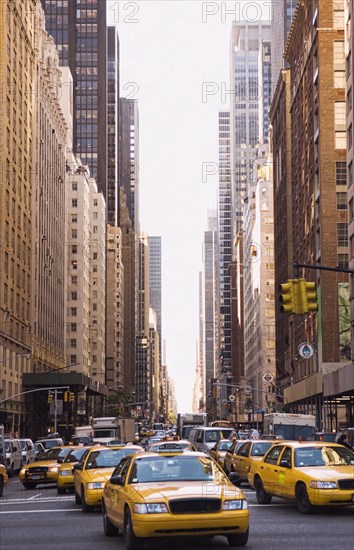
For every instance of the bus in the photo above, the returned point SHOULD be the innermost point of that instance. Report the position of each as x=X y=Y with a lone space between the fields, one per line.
x=289 y=426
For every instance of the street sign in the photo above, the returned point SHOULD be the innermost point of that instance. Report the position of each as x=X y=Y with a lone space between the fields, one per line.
x=224 y=401
x=268 y=377
x=232 y=397
x=305 y=350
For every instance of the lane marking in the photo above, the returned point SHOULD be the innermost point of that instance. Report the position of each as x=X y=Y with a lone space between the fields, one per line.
x=40 y=511
x=25 y=501
x=34 y=496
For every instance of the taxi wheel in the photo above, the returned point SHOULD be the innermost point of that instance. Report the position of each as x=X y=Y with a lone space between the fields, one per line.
x=109 y=529
x=61 y=490
x=77 y=498
x=131 y=541
x=302 y=500
x=262 y=496
x=1 y=486
x=86 y=508
x=29 y=485
x=238 y=540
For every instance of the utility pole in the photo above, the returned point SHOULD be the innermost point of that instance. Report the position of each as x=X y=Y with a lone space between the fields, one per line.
x=55 y=410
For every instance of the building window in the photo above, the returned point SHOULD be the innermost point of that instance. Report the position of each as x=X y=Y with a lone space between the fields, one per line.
x=73 y=311
x=342 y=201
x=94 y=307
x=74 y=203
x=74 y=295
x=74 y=264
x=73 y=342
x=74 y=249
x=73 y=327
x=72 y=359
x=350 y=137
x=74 y=233
x=74 y=218
x=95 y=202
x=95 y=229
x=74 y=186
x=74 y=280
x=342 y=234
x=342 y=260
x=341 y=173
x=341 y=140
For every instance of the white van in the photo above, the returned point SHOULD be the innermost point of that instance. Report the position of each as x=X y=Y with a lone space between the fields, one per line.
x=205 y=438
x=28 y=452
x=13 y=456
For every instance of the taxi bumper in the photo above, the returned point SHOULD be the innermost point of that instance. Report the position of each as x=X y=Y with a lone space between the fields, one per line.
x=43 y=477
x=65 y=481
x=93 y=497
x=328 y=497
x=162 y=525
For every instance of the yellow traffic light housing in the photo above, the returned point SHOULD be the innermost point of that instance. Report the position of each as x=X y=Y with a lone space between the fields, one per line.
x=308 y=296
x=50 y=397
x=287 y=297
x=71 y=396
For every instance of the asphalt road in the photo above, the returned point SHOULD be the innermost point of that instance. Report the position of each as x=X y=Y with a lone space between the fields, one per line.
x=42 y=520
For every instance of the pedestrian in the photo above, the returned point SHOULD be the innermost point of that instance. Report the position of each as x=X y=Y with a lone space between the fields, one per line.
x=342 y=440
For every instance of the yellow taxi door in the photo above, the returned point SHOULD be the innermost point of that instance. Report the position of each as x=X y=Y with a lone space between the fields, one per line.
x=242 y=460
x=269 y=470
x=285 y=473
x=118 y=497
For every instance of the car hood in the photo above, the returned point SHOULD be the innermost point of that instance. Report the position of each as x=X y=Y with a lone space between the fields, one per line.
x=186 y=489
x=47 y=463
x=328 y=473
x=101 y=474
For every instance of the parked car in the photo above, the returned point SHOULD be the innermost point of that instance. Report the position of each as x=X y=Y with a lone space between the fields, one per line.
x=38 y=449
x=204 y=438
x=28 y=452
x=13 y=455
x=49 y=442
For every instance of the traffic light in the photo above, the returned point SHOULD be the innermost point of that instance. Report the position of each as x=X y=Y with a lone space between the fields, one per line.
x=287 y=297
x=50 y=397
x=308 y=296
x=71 y=396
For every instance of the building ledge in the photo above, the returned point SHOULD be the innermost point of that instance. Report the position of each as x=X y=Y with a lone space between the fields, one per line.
x=305 y=388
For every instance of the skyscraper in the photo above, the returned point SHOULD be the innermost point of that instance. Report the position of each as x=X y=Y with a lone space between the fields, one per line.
x=246 y=45
x=113 y=126
x=224 y=242
x=155 y=280
x=80 y=33
x=282 y=16
x=129 y=157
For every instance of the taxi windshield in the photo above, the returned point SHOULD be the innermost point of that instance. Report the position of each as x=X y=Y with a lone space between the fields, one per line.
x=225 y=445
x=323 y=456
x=75 y=455
x=107 y=458
x=53 y=454
x=260 y=449
x=177 y=468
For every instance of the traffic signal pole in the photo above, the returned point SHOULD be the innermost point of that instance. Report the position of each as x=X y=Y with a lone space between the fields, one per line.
x=324 y=268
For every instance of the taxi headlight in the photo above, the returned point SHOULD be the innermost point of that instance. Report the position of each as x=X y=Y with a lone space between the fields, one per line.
x=155 y=508
x=23 y=472
x=323 y=485
x=53 y=469
x=241 y=504
x=64 y=472
x=95 y=485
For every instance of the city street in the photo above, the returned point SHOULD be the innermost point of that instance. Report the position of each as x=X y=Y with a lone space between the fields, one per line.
x=41 y=519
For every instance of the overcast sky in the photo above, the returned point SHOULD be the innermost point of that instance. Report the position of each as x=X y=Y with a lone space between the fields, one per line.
x=168 y=49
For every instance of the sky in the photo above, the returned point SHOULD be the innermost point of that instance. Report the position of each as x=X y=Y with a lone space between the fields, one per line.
x=174 y=58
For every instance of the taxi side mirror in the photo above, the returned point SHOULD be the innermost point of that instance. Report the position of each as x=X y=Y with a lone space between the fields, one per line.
x=60 y=459
x=78 y=466
x=117 y=480
x=214 y=448
x=235 y=479
x=285 y=463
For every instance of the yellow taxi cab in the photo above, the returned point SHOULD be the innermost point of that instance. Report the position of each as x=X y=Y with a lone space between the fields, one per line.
x=171 y=447
x=229 y=460
x=44 y=470
x=249 y=452
x=66 y=469
x=92 y=472
x=219 y=451
x=187 y=494
x=3 y=478
x=313 y=473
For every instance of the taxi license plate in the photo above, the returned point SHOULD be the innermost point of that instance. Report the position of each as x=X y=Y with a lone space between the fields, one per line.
x=36 y=477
